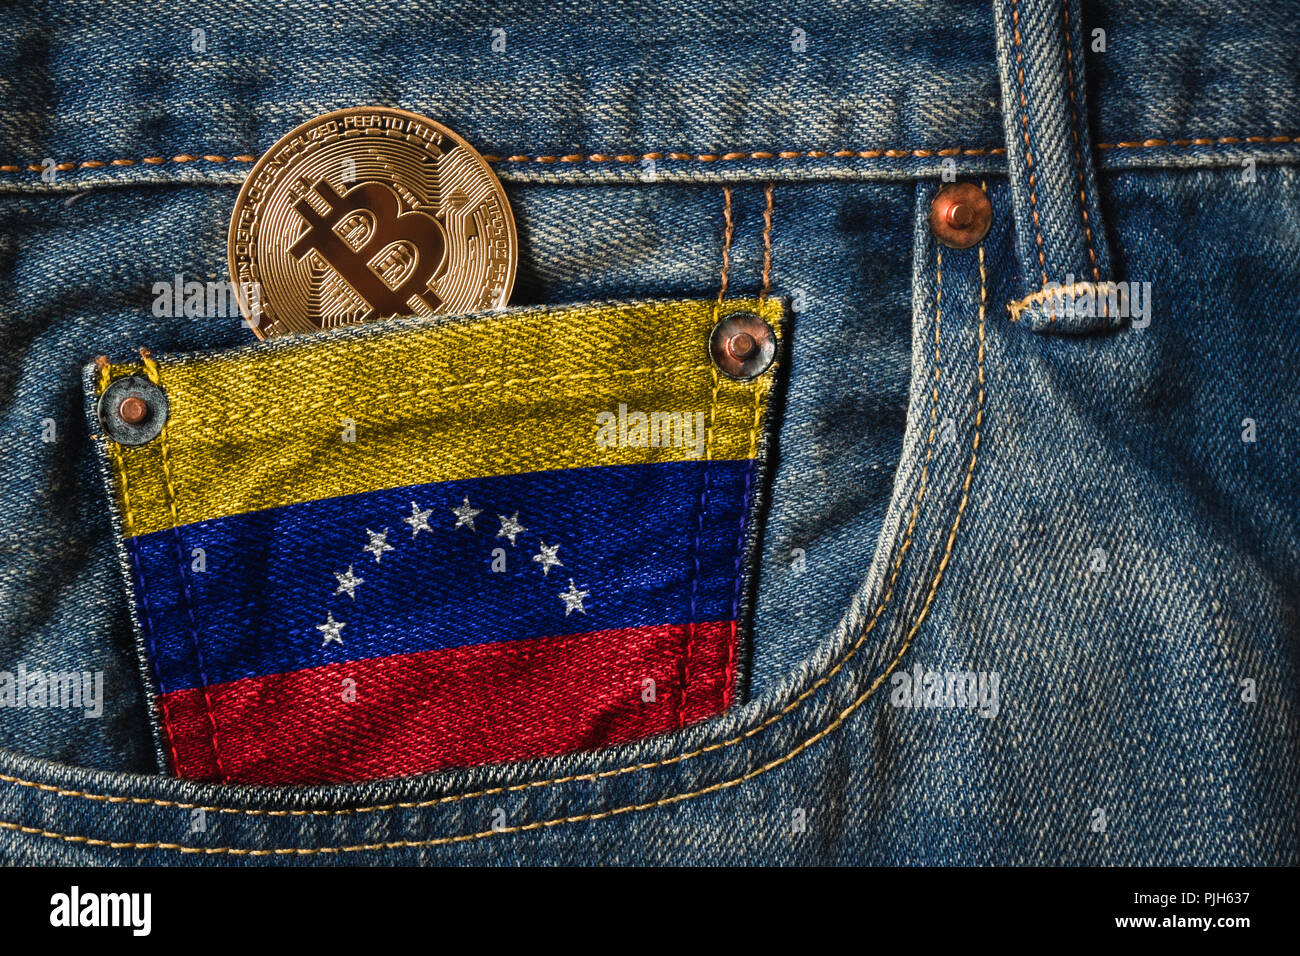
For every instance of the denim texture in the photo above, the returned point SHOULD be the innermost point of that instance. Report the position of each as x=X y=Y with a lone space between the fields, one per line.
x=951 y=491
x=1059 y=229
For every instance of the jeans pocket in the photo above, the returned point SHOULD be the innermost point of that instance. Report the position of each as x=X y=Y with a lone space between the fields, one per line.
x=423 y=544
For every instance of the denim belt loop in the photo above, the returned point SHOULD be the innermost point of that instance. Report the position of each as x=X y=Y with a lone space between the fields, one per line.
x=1060 y=238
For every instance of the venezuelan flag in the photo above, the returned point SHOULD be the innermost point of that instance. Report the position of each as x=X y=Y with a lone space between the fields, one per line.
x=426 y=544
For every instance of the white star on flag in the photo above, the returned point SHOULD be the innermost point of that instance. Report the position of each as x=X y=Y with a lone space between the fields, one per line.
x=419 y=520
x=465 y=515
x=510 y=528
x=546 y=557
x=348 y=583
x=378 y=543
x=331 y=629
x=572 y=599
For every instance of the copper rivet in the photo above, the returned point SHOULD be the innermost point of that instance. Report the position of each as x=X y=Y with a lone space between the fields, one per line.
x=741 y=345
x=133 y=410
x=960 y=215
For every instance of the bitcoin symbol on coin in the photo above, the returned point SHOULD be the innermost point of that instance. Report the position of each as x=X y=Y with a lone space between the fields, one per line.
x=366 y=214
x=420 y=232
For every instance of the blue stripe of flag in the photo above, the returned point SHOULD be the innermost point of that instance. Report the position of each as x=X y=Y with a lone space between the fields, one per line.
x=630 y=536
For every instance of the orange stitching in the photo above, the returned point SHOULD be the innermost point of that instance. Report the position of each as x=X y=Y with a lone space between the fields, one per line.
x=767 y=246
x=568 y=159
x=148 y=161
x=1203 y=141
x=1078 y=149
x=756 y=154
x=830 y=728
x=1018 y=307
x=726 y=245
x=1024 y=125
x=102 y=375
x=698 y=157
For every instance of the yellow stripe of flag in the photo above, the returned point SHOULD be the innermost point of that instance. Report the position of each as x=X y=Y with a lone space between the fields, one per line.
x=410 y=402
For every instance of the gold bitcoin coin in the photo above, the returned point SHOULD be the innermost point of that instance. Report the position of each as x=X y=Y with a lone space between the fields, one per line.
x=365 y=214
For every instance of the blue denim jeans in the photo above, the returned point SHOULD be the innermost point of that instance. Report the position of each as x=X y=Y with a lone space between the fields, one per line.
x=1027 y=585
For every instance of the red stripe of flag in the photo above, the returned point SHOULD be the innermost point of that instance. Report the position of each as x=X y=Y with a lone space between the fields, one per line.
x=483 y=703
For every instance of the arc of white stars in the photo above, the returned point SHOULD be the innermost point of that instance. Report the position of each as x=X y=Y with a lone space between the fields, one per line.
x=378 y=543
x=348 y=583
x=547 y=557
x=419 y=520
x=510 y=528
x=331 y=629
x=572 y=599
x=465 y=515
